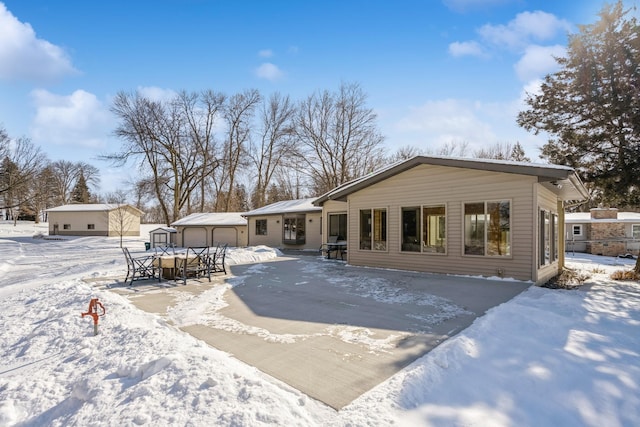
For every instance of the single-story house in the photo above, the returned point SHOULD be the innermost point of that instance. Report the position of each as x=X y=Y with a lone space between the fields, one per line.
x=210 y=229
x=94 y=220
x=603 y=231
x=456 y=216
x=163 y=236
x=290 y=224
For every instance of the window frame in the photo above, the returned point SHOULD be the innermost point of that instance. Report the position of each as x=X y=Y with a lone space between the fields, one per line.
x=573 y=230
x=635 y=231
x=382 y=230
x=340 y=216
x=485 y=219
x=261 y=230
x=66 y=226
x=421 y=230
x=91 y=226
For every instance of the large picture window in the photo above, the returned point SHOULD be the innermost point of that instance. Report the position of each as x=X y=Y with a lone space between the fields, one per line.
x=424 y=229
x=338 y=226
x=487 y=228
x=294 y=230
x=373 y=229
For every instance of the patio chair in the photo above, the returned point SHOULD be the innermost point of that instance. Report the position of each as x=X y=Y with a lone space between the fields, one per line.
x=219 y=259
x=141 y=267
x=196 y=263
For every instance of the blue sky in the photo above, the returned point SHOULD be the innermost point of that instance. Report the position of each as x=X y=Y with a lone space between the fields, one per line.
x=436 y=71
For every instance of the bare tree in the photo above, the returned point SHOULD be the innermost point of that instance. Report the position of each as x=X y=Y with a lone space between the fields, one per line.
x=338 y=136
x=159 y=137
x=238 y=116
x=201 y=113
x=276 y=143
x=18 y=171
x=404 y=153
x=452 y=149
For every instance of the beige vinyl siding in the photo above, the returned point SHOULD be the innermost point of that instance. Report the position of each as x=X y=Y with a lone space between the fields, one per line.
x=79 y=222
x=273 y=238
x=123 y=221
x=451 y=187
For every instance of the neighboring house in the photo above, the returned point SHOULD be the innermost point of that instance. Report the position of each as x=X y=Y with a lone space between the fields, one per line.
x=210 y=229
x=456 y=216
x=603 y=231
x=290 y=224
x=94 y=220
x=163 y=236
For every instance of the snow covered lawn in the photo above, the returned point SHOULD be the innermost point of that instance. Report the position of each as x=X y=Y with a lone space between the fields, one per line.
x=546 y=358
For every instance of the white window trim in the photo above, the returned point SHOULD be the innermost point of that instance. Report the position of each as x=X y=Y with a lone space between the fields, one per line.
x=573 y=230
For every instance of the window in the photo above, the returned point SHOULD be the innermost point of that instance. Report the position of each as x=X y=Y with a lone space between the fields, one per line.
x=423 y=229
x=635 y=231
x=91 y=226
x=577 y=230
x=261 y=227
x=487 y=228
x=294 y=229
x=548 y=241
x=66 y=226
x=434 y=229
x=338 y=226
x=411 y=229
x=373 y=229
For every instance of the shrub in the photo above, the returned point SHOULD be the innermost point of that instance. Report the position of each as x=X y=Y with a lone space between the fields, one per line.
x=625 y=275
x=568 y=279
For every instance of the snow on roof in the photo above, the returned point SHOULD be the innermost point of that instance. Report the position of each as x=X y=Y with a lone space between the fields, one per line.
x=576 y=217
x=167 y=229
x=286 y=206
x=87 y=207
x=215 y=218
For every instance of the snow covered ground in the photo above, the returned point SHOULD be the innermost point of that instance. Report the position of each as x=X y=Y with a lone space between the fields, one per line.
x=546 y=358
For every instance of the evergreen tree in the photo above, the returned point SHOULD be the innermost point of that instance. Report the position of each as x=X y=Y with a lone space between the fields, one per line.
x=80 y=193
x=591 y=107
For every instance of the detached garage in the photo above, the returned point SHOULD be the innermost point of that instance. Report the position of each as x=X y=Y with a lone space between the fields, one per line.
x=210 y=229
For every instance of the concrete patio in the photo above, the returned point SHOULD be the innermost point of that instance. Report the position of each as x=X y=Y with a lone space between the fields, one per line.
x=330 y=330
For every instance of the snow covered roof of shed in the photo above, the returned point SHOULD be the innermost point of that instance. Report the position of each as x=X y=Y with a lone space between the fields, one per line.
x=92 y=207
x=286 y=206
x=214 y=218
x=166 y=229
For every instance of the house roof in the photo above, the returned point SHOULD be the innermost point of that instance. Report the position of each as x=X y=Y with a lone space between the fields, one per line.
x=215 y=218
x=286 y=206
x=562 y=180
x=93 y=207
x=585 y=217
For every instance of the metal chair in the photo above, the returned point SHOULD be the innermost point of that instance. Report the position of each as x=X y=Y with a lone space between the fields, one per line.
x=196 y=263
x=219 y=259
x=139 y=267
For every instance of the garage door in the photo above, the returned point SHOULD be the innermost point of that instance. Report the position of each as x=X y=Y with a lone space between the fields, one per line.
x=194 y=236
x=226 y=235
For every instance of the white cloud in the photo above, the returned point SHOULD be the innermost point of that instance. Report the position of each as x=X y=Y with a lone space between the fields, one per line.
x=538 y=61
x=269 y=71
x=446 y=121
x=265 y=53
x=24 y=56
x=523 y=29
x=79 y=119
x=155 y=93
x=470 y=48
